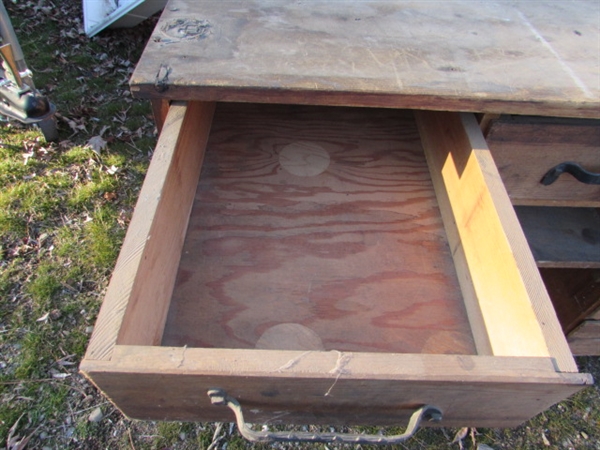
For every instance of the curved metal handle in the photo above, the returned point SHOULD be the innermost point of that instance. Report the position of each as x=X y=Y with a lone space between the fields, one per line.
x=574 y=169
x=220 y=397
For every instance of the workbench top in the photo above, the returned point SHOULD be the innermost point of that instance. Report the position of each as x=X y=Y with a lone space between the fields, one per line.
x=518 y=57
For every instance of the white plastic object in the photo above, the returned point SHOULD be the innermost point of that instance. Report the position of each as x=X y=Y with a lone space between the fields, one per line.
x=100 y=14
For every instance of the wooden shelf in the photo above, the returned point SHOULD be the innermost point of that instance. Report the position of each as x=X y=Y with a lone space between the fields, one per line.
x=562 y=237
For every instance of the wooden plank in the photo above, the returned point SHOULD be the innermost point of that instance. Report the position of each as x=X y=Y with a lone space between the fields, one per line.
x=575 y=294
x=585 y=340
x=136 y=302
x=160 y=109
x=525 y=148
x=322 y=222
x=158 y=383
x=486 y=121
x=562 y=237
x=502 y=284
x=379 y=53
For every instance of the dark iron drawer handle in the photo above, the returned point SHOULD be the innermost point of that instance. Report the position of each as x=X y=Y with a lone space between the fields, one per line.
x=574 y=169
x=220 y=397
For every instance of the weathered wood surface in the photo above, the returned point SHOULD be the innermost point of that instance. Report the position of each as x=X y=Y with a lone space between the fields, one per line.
x=136 y=302
x=585 y=340
x=501 y=284
x=320 y=217
x=159 y=383
x=525 y=148
x=514 y=57
x=562 y=237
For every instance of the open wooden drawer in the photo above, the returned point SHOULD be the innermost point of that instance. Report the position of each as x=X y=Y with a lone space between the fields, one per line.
x=329 y=265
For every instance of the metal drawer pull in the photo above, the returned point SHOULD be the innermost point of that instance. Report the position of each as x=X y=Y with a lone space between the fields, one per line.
x=220 y=397
x=574 y=169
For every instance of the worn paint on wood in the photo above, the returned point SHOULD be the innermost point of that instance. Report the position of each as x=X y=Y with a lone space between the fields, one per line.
x=517 y=57
x=321 y=217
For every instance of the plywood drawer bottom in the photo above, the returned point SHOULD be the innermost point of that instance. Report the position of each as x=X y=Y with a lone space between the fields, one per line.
x=316 y=229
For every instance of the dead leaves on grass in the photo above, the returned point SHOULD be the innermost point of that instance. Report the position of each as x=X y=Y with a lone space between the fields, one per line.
x=15 y=442
x=462 y=434
x=96 y=144
x=37 y=149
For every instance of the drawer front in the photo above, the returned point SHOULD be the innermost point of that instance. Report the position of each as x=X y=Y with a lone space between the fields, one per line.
x=336 y=388
x=526 y=148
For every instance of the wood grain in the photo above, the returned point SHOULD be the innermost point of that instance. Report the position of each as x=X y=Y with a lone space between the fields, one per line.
x=160 y=109
x=562 y=237
x=501 y=283
x=322 y=217
x=136 y=302
x=525 y=148
x=520 y=57
x=585 y=340
x=335 y=388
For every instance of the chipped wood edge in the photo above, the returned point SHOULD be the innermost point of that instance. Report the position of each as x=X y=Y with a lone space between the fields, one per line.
x=331 y=364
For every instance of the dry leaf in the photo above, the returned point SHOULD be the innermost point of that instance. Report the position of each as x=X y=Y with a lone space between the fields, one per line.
x=112 y=170
x=110 y=196
x=27 y=156
x=97 y=144
x=61 y=375
x=16 y=442
x=545 y=440
x=459 y=436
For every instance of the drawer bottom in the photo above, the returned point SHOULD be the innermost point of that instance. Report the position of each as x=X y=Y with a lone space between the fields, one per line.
x=316 y=229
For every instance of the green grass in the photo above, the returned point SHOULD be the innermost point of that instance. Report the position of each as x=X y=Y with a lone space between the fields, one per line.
x=64 y=210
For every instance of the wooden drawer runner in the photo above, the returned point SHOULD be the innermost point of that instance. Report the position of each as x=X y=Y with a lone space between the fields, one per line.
x=327 y=265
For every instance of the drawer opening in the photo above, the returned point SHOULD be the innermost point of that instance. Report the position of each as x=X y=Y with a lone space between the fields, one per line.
x=316 y=229
x=346 y=229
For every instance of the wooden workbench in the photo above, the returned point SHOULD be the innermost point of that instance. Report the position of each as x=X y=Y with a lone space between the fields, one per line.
x=324 y=232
